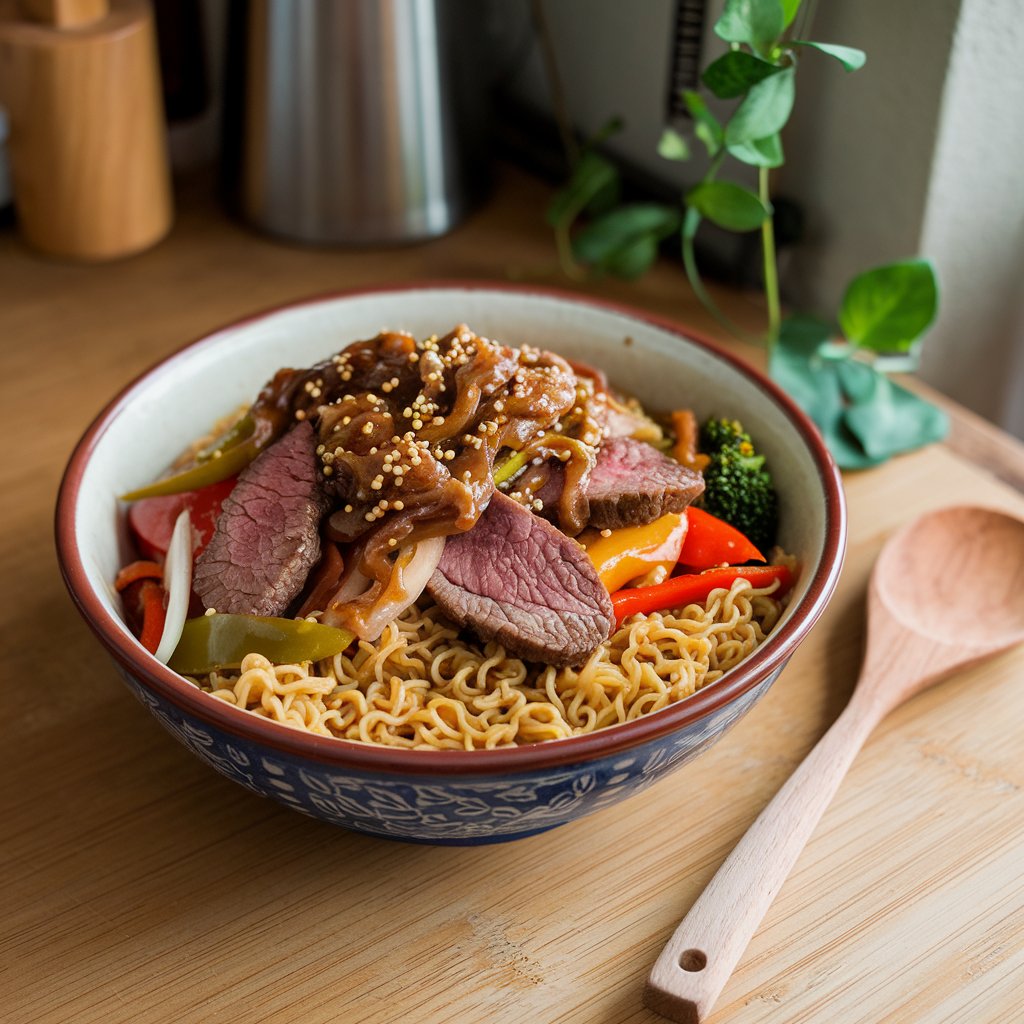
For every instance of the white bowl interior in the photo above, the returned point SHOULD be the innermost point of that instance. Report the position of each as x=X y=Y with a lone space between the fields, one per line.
x=168 y=410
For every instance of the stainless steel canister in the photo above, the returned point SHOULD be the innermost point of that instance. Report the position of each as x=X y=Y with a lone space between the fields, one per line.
x=354 y=121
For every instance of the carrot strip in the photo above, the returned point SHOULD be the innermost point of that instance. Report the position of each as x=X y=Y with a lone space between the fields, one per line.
x=142 y=570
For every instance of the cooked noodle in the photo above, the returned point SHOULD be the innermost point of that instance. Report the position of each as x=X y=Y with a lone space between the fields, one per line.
x=423 y=685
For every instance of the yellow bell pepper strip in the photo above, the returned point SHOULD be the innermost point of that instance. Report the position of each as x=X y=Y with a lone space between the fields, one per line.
x=216 y=466
x=695 y=588
x=633 y=551
x=221 y=641
x=711 y=541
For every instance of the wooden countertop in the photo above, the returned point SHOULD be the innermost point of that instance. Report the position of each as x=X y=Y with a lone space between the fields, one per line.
x=140 y=886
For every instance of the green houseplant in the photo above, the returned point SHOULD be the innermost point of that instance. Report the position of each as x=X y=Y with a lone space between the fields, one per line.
x=837 y=369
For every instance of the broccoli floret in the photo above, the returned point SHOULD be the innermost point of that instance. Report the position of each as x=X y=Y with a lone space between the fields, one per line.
x=737 y=486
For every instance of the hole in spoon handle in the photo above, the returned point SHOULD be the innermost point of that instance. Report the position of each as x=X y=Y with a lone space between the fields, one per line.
x=693 y=960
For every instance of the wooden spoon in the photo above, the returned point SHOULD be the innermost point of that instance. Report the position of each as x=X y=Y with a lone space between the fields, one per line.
x=946 y=592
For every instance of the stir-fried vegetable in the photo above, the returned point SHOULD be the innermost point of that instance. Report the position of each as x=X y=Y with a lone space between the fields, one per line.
x=139 y=586
x=738 y=486
x=694 y=588
x=543 y=446
x=151 y=520
x=212 y=642
x=236 y=450
x=133 y=571
x=684 y=448
x=178 y=585
x=633 y=551
x=711 y=541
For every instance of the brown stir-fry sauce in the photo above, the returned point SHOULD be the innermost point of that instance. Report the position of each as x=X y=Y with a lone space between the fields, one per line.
x=410 y=432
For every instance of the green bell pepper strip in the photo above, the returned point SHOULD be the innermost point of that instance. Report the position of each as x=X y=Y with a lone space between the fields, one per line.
x=242 y=430
x=694 y=588
x=212 y=642
x=238 y=447
x=510 y=467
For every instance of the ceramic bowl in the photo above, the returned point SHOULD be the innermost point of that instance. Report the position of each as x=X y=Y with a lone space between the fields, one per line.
x=446 y=797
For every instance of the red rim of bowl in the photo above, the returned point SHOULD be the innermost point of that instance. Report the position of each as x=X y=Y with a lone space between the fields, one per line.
x=155 y=676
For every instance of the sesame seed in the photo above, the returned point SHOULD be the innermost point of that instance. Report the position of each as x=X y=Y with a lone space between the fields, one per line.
x=367 y=428
x=398 y=505
x=606 y=533
x=348 y=508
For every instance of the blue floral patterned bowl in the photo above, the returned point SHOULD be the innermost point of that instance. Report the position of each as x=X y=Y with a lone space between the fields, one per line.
x=449 y=797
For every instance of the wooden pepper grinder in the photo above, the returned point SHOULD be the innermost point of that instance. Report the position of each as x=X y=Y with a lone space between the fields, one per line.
x=88 y=147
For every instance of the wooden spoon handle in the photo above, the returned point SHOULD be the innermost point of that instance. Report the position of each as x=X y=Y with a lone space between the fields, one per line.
x=702 y=953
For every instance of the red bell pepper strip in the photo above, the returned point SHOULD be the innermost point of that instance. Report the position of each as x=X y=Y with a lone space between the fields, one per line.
x=711 y=541
x=151 y=520
x=694 y=588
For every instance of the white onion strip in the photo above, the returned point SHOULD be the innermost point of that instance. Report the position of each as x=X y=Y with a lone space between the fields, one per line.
x=177 y=584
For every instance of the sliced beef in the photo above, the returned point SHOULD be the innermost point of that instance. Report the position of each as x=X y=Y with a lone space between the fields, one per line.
x=632 y=483
x=515 y=578
x=267 y=536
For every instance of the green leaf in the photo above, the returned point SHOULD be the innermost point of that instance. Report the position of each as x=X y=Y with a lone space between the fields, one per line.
x=603 y=241
x=813 y=383
x=735 y=72
x=765 y=110
x=633 y=260
x=759 y=152
x=706 y=126
x=593 y=179
x=755 y=22
x=789 y=9
x=729 y=206
x=611 y=127
x=851 y=58
x=888 y=308
x=672 y=146
x=885 y=418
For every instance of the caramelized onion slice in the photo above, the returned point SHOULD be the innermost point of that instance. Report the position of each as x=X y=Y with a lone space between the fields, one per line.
x=366 y=614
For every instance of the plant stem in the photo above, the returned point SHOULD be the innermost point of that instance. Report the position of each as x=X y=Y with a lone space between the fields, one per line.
x=556 y=91
x=771 y=270
x=697 y=284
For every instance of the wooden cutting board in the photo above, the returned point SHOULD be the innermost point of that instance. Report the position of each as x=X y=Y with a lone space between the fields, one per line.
x=139 y=886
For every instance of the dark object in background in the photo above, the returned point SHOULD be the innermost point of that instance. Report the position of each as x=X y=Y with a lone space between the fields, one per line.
x=183 y=69
x=356 y=122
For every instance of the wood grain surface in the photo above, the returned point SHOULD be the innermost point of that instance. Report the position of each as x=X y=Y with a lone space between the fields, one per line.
x=139 y=886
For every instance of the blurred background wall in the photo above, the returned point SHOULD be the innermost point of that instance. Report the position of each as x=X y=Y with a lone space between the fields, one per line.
x=918 y=153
